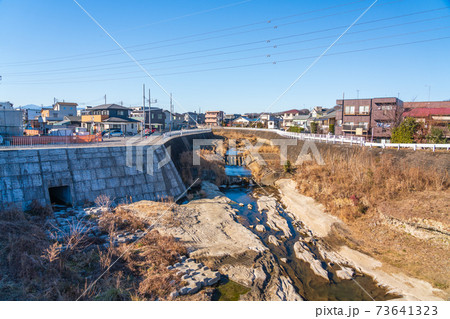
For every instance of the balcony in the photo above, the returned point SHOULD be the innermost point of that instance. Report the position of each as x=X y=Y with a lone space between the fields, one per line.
x=353 y=128
x=93 y=118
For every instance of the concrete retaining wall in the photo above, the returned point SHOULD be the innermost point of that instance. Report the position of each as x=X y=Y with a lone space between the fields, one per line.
x=27 y=175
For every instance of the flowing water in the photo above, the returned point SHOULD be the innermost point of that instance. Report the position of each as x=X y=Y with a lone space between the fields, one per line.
x=306 y=283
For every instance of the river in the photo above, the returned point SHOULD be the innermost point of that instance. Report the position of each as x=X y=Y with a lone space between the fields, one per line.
x=306 y=283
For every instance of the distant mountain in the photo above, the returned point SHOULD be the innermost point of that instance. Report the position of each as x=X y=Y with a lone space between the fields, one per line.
x=31 y=107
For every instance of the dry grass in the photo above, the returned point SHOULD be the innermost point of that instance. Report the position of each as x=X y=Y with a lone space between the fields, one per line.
x=349 y=185
x=120 y=219
x=357 y=187
x=35 y=267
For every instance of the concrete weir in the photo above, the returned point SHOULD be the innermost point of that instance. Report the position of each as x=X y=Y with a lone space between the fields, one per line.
x=75 y=176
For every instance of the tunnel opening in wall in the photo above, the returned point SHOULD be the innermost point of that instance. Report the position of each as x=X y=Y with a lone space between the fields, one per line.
x=60 y=195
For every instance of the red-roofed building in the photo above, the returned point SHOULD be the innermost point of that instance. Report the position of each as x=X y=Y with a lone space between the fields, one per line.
x=288 y=116
x=432 y=117
x=433 y=104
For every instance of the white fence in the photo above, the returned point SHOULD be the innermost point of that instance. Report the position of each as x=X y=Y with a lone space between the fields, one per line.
x=335 y=139
x=185 y=132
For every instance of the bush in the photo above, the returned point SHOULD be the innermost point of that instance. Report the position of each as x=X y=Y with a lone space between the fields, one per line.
x=287 y=167
x=436 y=136
x=296 y=129
x=331 y=128
x=314 y=127
x=405 y=132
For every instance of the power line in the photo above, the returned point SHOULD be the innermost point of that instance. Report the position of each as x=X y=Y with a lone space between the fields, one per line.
x=244 y=65
x=117 y=52
x=283 y=52
x=95 y=67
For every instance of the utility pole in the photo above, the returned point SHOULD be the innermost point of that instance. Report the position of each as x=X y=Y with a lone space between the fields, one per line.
x=149 y=111
x=429 y=92
x=105 y=98
x=150 y=101
x=143 y=110
x=171 y=112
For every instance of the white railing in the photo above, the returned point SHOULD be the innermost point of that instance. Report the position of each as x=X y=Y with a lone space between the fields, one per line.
x=338 y=139
x=185 y=132
x=81 y=141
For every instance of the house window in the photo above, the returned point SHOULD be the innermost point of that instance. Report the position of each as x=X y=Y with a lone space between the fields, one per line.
x=349 y=110
x=119 y=112
x=364 y=109
x=363 y=124
x=160 y=116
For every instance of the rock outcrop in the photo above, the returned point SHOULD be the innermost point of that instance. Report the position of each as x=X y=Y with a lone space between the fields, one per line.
x=303 y=252
x=275 y=221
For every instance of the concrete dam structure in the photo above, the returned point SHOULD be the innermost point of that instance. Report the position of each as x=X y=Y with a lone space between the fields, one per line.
x=77 y=176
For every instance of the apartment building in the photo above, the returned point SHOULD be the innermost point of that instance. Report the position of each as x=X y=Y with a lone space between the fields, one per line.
x=213 y=118
x=370 y=118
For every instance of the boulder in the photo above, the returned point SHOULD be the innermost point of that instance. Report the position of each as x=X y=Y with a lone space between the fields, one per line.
x=273 y=240
x=260 y=228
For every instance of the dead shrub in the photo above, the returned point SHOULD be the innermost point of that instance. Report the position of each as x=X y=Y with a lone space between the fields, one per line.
x=104 y=202
x=37 y=209
x=120 y=219
x=351 y=184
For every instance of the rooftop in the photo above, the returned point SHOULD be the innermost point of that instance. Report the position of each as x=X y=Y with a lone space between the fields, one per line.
x=427 y=111
x=110 y=107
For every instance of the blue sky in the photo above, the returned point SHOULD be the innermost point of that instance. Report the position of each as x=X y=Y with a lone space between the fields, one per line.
x=223 y=54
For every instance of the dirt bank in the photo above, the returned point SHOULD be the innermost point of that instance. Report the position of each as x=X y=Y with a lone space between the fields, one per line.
x=321 y=224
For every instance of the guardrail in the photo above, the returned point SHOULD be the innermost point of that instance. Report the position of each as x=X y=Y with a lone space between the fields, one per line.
x=30 y=141
x=338 y=139
x=87 y=140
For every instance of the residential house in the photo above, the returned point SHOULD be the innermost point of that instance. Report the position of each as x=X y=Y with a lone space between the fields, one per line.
x=370 y=118
x=301 y=121
x=229 y=118
x=318 y=111
x=58 y=111
x=426 y=104
x=109 y=117
x=288 y=117
x=431 y=117
x=191 y=119
x=269 y=120
x=328 y=118
x=156 y=118
x=69 y=122
x=242 y=121
x=173 y=121
x=11 y=123
x=274 y=123
x=214 y=118
x=6 y=105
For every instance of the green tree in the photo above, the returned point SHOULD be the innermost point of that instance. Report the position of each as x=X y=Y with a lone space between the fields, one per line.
x=436 y=136
x=331 y=128
x=314 y=127
x=405 y=132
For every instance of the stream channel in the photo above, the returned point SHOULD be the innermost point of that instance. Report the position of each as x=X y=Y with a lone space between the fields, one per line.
x=309 y=285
